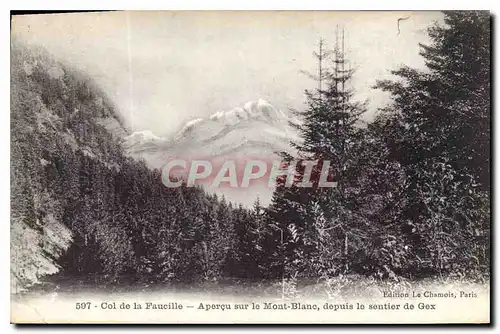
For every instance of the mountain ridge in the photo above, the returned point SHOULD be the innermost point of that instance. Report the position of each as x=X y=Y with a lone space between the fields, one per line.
x=253 y=119
x=254 y=129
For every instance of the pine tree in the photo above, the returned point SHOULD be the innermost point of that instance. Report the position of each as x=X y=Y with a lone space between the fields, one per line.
x=439 y=132
x=329 y=132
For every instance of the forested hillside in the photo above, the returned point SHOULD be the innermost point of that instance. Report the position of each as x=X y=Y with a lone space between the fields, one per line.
x=79 y=206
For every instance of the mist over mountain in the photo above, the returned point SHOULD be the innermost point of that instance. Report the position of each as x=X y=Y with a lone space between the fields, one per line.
x=254 y=130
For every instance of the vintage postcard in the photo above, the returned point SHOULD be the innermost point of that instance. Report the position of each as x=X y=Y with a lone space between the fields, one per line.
x=250 y=167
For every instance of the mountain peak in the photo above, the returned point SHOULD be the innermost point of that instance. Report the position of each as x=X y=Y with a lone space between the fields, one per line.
x=259 y=109
x=141 y=137
x=253 y=129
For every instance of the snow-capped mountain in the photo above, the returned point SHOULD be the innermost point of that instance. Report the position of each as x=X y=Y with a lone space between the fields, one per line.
x=256 y=129
x=251 y=112
x=142 y=139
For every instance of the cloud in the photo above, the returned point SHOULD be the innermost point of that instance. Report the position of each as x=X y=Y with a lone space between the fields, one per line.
x=164 y=68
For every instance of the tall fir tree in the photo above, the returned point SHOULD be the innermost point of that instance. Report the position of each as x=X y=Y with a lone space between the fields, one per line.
x=438 y=128
x=329 y=131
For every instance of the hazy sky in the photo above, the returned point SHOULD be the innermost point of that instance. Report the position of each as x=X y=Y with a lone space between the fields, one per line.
x=165 y=68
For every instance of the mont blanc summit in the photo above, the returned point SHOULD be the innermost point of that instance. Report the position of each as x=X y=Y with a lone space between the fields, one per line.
x=254 y=129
